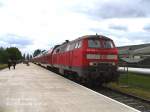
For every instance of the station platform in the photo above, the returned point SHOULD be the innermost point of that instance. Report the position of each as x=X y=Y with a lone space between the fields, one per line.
x=35 y=89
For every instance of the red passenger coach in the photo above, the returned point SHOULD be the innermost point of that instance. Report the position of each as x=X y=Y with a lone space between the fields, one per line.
x=88 y=58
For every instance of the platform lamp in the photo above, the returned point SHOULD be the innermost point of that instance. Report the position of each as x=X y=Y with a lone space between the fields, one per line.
x=129 y=56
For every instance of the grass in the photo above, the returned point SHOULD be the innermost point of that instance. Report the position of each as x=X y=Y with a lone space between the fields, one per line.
x=2 y=66
x=136 y=80
x=135 y=84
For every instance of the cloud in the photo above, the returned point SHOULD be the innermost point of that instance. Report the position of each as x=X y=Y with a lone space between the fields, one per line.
x=124 y=38
x=96 y=30
x=141 y=35
x=116 y=9
x=51 y=22
x=132 y=38
x=12 y=39
x=147 y=27
x=118 y=27
x=1 y=4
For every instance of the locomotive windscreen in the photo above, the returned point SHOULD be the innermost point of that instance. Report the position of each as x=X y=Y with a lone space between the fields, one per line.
x=108 y=44
x=98 y=43
x=94 y=43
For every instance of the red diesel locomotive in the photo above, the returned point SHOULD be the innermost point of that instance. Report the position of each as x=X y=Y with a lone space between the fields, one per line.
x=88 y=58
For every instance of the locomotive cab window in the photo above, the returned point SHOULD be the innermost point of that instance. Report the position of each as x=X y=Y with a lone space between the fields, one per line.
x=78 y=44
x=108 y=44
x=94 y=43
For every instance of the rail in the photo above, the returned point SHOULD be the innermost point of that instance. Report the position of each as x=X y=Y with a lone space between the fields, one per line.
x=140 y=104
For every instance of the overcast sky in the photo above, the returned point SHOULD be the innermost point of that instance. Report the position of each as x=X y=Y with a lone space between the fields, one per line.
x=32 y=24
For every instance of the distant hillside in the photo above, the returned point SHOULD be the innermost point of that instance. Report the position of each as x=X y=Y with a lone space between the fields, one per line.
x=133 y=47
x=142 y=48
x=135 y=55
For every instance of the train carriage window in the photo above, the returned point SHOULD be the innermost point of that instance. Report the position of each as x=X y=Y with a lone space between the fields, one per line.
x=94 y=43
x=68 y=47
x=72 y=46
x=63 y=48
x=56 y=51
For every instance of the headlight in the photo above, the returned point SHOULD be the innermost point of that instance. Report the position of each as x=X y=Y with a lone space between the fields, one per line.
x=112 y=56
x=113 y=63
x=93 y=56
x=92 y=63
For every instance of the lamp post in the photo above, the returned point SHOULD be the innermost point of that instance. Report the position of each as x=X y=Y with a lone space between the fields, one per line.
x=129 y=56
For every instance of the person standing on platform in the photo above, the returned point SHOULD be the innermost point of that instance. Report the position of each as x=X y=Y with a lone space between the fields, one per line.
x=9 y=63
x=14 y=63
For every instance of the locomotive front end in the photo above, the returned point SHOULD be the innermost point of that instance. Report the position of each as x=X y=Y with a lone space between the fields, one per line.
x=101 y=59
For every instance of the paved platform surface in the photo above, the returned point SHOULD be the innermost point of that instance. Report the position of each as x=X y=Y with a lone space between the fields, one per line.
x=35 y=89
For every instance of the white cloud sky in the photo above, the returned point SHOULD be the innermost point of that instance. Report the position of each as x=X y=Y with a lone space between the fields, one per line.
x=46 y=23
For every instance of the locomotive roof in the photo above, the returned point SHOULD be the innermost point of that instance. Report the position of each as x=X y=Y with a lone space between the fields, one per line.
x=94 y=36
x=83 y=37
x=67 y=41
x=89 y=36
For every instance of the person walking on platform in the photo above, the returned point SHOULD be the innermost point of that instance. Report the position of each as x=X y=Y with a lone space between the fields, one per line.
x=9 y=63
x=14 y=64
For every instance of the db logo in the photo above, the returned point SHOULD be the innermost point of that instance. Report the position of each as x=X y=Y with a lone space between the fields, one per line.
x=103 y=56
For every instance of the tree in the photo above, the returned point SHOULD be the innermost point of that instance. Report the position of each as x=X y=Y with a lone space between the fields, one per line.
x=28 y=57
x=14 y=53
x=37 y=52
x=24 y=56
x=9 y=53
x=3 y=55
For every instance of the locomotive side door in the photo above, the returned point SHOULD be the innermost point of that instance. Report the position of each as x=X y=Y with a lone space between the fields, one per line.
x=71 y=50
x=70 y=59
x=77 y=54
x=68 y=56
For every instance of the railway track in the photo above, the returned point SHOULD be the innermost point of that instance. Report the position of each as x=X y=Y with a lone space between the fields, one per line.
x=132 y=101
